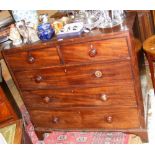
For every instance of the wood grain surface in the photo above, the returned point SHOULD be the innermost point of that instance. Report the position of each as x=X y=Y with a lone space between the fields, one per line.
x=80 y=76
x=114 y=95
x=86 y=119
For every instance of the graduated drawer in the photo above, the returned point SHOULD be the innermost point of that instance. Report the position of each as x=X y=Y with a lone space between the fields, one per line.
x=111 y=49
x=32 y=59
x=81 y=76
x=118 y=94
x=121 y=118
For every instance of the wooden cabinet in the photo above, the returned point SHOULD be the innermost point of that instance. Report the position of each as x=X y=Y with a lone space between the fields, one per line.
x=146 y=25
x=145 y=21
x=89 y=82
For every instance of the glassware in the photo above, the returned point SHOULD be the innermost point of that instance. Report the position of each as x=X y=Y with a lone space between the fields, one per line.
x=99 y=18
x=79 y=16
x=109 y=19
x=90 y=20
x=118 y=16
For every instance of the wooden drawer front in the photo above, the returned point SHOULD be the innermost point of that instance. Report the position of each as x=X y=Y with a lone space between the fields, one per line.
x=5 y=113
x=86 y=119
x=95 y=51
x=34 y=59
x=59 y=77
x=113 y=95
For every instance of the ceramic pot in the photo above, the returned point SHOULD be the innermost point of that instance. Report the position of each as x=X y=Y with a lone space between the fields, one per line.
x=45 y=31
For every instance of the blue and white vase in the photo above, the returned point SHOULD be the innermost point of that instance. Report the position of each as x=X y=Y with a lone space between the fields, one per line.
x=45 y=31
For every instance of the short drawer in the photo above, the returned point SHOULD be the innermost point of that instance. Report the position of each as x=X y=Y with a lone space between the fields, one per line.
x=118 y=94
x=81 y=76
x=32 y=59
x=124 y=118
x=103 y=50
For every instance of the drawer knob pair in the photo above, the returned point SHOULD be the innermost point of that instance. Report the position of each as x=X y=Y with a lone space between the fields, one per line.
x=31 y=59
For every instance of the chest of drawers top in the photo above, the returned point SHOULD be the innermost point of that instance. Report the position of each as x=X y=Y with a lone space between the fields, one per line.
x=76 y=53
x=82 y=48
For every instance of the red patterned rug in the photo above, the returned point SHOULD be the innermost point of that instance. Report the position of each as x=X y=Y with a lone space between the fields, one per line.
x=86 y=138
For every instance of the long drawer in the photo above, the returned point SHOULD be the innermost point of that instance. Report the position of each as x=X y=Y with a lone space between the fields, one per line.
x=33 y=59
x=81 y=76
x=103 y=50
x=118 y=94
x=122 y=118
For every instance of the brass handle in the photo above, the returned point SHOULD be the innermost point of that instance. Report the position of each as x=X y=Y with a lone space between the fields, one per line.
x=104 y=97
x=92 y=52
x=109 y=119
x=98 y=74
x=31 y=59
x=46 y=99
x=38 y=78
x=55 y=120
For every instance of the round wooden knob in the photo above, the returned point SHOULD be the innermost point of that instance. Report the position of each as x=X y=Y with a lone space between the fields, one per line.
x=104 y=97
x=98 y=74
x=55 y=120
x=38 y=78
x=109 y=119
x=92 y=52
x=46 y=99
x=31 y=59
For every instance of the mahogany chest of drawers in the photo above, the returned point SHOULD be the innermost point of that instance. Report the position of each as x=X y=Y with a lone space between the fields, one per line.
x=86 y=83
